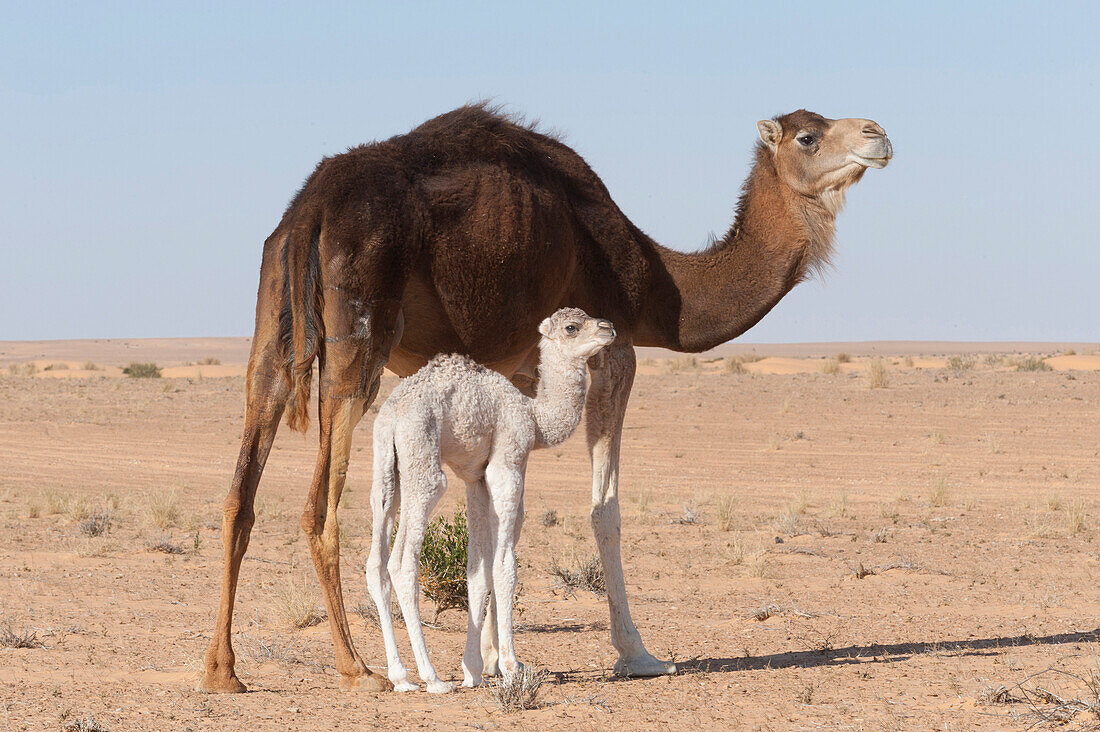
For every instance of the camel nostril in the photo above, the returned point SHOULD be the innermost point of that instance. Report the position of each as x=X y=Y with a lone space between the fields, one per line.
x=873 y=130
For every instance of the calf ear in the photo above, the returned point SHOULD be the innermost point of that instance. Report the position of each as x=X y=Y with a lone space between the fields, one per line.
x=771 y=132
x=544 y=327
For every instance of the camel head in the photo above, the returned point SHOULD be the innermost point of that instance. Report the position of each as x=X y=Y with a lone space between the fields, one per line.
x=573 y=334
x=815 y=156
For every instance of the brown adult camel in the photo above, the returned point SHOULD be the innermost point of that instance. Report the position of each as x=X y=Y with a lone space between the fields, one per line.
x=398 y=250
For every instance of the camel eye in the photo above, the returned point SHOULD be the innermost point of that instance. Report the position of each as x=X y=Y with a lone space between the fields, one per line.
x=806 y=140
x=570 y=329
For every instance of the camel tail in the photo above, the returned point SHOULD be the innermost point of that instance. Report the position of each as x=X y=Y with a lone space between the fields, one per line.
x=300 y=323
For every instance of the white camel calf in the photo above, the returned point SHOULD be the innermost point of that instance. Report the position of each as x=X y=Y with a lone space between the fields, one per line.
x=457 y=412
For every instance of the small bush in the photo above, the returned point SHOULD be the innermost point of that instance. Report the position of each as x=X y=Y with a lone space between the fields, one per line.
x=734 y=366
x=831 y=366
x=295 y=606
x=164 y=509
x=25 y=369
x=843 y=357
x=937 y=496
x=1075 y=516
x=726 y=513
x=165 y=546
x=1032 y=363
x=519 y=691
x=96 y=524
x=681 y=363
x=142 y=370
x=587 y=575
x=958 y=364
x=550 y=518
x=10 y=639
x=443 y=563
x=90 y=366
x=84 y=724
x=55 y=367
x=876 y=373
x=210 y=361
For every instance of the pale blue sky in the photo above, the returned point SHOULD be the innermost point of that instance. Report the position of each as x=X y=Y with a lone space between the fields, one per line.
x=146 y=149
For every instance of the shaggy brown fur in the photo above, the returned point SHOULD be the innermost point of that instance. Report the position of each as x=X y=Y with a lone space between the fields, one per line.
x=398 y=250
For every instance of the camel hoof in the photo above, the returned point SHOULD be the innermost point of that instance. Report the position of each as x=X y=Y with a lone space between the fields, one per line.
x=643 y=667
x=222 y=685
x=440 y=687
x=404 y=686
x=471 y=682
x=369 y=681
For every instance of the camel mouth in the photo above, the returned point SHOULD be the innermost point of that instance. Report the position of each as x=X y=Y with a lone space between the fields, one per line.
x=872 y=162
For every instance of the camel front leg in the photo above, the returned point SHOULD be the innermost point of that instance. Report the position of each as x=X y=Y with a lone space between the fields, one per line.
x=612 y=376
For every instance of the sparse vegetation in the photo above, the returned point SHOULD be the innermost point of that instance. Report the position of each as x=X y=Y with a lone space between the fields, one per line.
x=843 y=357
x=516 y=692
x=163 y=508
x=296 y=607
x=734 y=366
x=726 y=505
x=96 y=524
x=690 y=515
x=25 y=369
x=56 y=367
x=1031 y=363
x=165 y=546
x=549 y=518
x=937 y=494
x=678 y=364
x=586 y=575
x=443 y=563
x=11 y=639
x=758 y=564
x=90 y=366
x=210 y=361
x=1075 y=516
x=960 y=363
x=84 y=724
x=831 y=366
x=876 y=374
x=142 y=370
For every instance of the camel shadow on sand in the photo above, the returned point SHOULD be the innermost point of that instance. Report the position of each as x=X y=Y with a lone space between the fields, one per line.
x=881 y=653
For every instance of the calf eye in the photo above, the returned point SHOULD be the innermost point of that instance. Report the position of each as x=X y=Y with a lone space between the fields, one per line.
x=570 y=329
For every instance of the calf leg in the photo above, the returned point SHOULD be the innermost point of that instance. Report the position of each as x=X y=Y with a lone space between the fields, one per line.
x=479 y=560
x=506 y=497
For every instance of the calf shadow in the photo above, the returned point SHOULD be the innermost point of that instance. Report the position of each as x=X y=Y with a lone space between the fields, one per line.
x=881 y=653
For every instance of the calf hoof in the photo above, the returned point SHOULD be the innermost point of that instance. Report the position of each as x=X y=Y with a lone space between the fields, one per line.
x=440 y=687
x=643 y=666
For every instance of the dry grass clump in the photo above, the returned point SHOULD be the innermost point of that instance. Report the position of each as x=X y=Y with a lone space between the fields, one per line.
x=958 y=363
x=726 y=515
x=1031 y=363
x=295 y=607
x=96 y=524
x=735 y=551
x=56 y=367
x=10 y=639
x=84 y=724
x=55 y=501
x=90 y=366
x=1075 y=516
x=516 y=692
x=937 y=495
x=210 y=361
x=142 y=370
x=681 y=363
x=758 y=565
x=443 y=563
x=549 y=518
x=369 y=612
x=163 y=508
x=734 y=366
x=585 y=575
x=165 y=546
x=843 y=357
x=876 y=374
x=24 y=369
x=831 y=366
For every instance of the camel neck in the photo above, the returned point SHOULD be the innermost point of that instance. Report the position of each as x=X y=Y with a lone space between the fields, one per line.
x=698 y=301
x=559 y=401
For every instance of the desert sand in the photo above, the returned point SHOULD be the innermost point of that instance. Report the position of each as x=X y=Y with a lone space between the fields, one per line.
x=813 y=552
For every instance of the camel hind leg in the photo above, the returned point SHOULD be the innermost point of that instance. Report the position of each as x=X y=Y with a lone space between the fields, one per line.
x=267 y=393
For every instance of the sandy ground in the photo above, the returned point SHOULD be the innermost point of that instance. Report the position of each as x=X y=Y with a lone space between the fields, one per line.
x=917 y=545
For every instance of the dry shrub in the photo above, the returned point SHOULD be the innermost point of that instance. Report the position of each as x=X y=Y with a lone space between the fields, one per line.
x=843 y=357
x=681 y=363
x=296 y=607
x=758 y=564
x=519 y=691
x=56 y=367
x=830 y=367
x=549 y=518
x=1031 y=363
x=96 y=524
x=90 y=366
x=84 y=724
x=55 y=501
x=1075 y=516
x=142 y=370
x=959 y=364
x=210 y=361
x=77 y=509
x=165 y=546
x=726 y=505
x=734 y=366
x=908 y=361
x=163 y=508
x=10 y=639
x=876 y=373
x=735 y=551
x=586 y=575
x=937 y=495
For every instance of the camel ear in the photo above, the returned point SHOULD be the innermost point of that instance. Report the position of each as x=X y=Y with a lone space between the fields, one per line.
x=771 y=132
x=544 y=327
